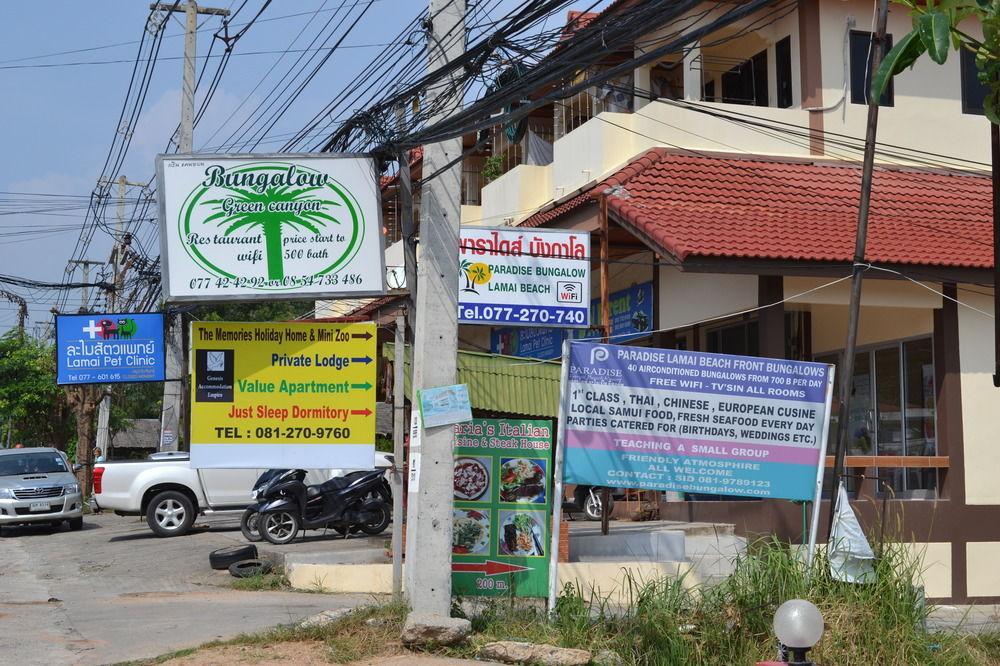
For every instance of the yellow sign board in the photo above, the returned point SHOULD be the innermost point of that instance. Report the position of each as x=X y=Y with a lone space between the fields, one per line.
x=290 y=395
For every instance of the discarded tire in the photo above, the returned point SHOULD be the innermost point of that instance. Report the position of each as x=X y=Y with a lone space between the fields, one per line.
x=250 y=568
x=224 y=557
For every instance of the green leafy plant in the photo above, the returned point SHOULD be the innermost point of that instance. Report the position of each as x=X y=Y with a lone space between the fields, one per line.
x=272 y=210
x=492 y=168
x=935 y=32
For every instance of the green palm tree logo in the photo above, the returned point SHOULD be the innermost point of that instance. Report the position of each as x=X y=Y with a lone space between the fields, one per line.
x=475 y=274
x=272 y=211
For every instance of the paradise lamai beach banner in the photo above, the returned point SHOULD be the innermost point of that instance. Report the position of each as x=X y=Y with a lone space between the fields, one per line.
x=664 y=419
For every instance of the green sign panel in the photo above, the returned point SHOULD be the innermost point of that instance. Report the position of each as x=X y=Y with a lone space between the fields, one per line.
x=503 y=508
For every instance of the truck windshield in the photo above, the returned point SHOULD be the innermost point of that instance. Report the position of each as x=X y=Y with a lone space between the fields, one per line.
x=31 y=463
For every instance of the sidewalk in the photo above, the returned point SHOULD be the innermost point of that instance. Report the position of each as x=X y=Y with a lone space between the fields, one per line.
x=422 y=659
x=970 y=619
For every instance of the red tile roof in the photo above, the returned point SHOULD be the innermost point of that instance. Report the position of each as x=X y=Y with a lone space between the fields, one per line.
x=576 y=20
x=766 y=209
x=539 y=219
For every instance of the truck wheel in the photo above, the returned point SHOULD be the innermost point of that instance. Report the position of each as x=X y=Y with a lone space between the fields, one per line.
x=249 y=526
x=169 y=514
x=75 y=524
x=279 y=527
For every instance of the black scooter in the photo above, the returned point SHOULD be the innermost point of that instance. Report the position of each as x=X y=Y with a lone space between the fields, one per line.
x=248 y=523
x=358 y=501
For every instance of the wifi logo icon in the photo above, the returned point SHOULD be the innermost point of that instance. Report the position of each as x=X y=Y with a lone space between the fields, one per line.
x=569 y=292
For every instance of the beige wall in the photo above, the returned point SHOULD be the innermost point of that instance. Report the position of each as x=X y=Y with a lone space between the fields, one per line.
x=980 y=425
x=473 y=216
x=688 y=298
x=515 y=195
x=877 y=324
x=926 y=95
x=935 y=567
x=634 y=269
x=982 y=572
x=874 y=292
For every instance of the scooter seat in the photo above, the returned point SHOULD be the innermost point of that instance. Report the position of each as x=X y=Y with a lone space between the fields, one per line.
x=328 y=486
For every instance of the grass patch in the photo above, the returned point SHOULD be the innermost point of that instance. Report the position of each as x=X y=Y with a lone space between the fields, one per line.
x=666 y=621
x=368 y=631
x=273 y=580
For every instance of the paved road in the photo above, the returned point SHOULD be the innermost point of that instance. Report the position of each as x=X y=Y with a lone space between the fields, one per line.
x=114 y=592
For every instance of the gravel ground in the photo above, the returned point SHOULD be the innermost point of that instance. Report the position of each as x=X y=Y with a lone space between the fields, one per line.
x=114 y=592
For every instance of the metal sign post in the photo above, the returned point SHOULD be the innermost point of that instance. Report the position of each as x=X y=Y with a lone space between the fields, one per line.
x=557 y=476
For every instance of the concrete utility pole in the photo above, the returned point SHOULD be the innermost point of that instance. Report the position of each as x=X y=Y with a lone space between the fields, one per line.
x=854 y=308
x=175 y=373
x=86 y=263
x=114 y=302
x=436 y=336
x=398 y=427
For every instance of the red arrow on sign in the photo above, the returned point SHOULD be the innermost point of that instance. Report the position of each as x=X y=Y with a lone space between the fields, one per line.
x=361 y=412
x=489 y=567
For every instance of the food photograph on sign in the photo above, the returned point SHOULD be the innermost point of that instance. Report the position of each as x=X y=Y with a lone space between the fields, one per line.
x=269 y=227
x=524 y=277
x=470 y=533
x=472 y=479
x=522 y=533
x=522 y=480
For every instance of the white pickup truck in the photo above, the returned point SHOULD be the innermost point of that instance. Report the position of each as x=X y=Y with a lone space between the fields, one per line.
x=170 y=494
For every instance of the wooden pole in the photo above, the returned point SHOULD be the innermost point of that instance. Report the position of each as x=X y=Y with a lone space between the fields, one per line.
x=854 y=308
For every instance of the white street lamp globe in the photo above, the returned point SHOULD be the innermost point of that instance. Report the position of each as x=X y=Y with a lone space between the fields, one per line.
x=798 y=624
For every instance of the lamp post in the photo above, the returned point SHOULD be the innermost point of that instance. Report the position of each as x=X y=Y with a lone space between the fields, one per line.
x=798 y=625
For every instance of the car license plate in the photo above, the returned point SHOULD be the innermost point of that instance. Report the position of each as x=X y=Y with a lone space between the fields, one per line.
x=39 y=506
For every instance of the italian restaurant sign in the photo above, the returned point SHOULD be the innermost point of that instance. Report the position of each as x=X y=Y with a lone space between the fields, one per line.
x=662 y=419
x=518 y=277
x=269 y=227
x=109 y=348
x=282 y=395
x=502 y=507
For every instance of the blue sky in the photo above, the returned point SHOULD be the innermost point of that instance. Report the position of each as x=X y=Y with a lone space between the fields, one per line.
x=58 y=122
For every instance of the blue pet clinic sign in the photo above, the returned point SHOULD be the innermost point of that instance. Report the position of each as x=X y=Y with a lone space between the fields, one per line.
x=109 y=348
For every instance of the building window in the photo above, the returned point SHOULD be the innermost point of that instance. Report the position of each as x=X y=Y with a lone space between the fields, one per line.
x=783 y=71
x=709 y=94
x=893 y=412
x=740 y=338
x=861 y=53
x=747 y=82
x=973 y=90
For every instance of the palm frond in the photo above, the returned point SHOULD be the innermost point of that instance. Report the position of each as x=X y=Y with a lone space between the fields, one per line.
x=248 y=222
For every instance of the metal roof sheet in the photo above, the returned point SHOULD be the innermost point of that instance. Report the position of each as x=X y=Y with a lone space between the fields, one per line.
x=507 y=384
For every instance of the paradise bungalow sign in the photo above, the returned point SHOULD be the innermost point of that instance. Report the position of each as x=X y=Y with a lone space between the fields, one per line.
x=533 y=277
x=269 y=227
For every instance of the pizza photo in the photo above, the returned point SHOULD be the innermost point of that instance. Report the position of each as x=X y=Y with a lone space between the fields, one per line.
x=472 y=479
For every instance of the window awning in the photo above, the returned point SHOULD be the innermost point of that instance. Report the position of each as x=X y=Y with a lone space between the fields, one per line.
x=506 y=384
